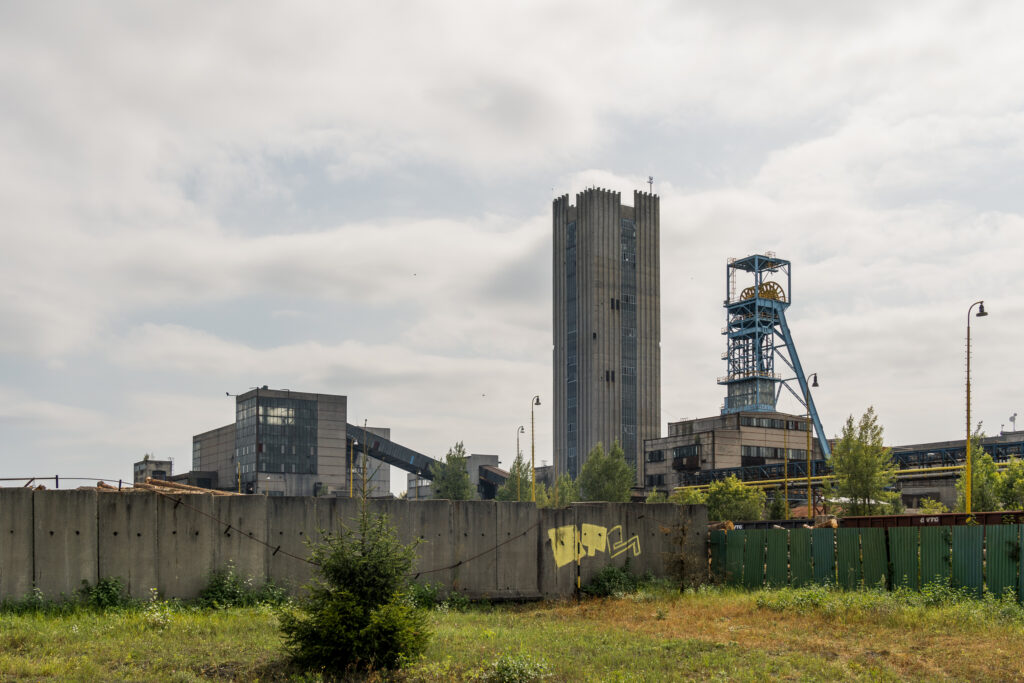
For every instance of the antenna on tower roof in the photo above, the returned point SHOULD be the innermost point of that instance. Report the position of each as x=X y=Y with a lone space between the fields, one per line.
x=650 y=183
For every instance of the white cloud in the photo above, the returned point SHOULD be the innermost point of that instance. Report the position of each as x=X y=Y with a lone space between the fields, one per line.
x=185 y=195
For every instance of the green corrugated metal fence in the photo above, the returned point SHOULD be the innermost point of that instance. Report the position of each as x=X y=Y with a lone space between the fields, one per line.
x=801 y=567
x=978 y=558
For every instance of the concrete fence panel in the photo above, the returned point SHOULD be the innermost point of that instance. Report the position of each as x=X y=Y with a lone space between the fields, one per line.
x=127 y=540
x=16 y=530
x=558 y=550
x=187 y=540
x=64 y=540
x=239 y=541
x=429 y=523
x=516 y=562
x=291 y=522
x=474 y=524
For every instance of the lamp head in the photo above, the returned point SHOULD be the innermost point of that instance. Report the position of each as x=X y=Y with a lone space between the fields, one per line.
x=536 y=400
x=522 y=429
x=815 y=382
x=981 y=311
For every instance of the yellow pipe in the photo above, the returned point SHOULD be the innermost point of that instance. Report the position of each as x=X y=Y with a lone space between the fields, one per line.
x=778 y=482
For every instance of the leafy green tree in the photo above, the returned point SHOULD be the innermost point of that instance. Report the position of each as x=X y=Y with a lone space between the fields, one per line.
x=987 y=483
x=1011 y=489
x=732 y=500
x=517 y=486
x=778 y=509
x=355 y=615
x=606 y=477
x=543 y=499
x=927 y=506
x=568 y=491
x=657 y=497
x=688 y=497
x=864 y=468
x=451 y=481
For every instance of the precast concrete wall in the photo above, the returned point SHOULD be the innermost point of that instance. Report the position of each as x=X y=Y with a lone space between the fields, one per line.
x=55 y=540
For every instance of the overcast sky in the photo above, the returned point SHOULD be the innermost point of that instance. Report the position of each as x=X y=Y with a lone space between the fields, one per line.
x=355 y=198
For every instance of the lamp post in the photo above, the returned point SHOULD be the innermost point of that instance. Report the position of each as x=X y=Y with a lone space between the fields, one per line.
x=1013 y=422
x=519 y=480
x=807 y=404
x=535 y=401
x=967 y=481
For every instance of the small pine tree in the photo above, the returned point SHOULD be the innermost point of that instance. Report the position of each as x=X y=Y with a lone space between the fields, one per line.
x=517 y=486
x=568 y=490
x=778 y=509
x=606 y=477
x=355 y=615
x=451 y=480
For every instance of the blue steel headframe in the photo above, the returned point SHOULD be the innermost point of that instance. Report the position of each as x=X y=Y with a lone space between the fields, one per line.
x=756 y=332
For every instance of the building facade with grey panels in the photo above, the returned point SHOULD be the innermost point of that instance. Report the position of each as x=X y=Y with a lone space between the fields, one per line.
x=288 y=443
x=733 y=440
x=606 y=326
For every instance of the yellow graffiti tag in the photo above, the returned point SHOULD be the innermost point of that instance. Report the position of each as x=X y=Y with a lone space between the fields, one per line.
x=569 y=543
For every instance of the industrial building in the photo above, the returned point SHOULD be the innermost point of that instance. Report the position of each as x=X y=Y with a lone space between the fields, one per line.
x=725 y=441
x=761 y=361
x=150 y=468
x=288 y=443
x=606 y=326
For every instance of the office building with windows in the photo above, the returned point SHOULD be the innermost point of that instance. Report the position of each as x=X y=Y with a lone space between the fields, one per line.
x=724 y=441
x=288 y=443
x=607 y=326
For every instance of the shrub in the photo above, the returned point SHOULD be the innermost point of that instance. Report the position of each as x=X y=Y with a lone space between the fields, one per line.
x=106 y=594
x=612 y=581
x=357 y=614
x=226 y=588
x=516 y=669
x=424 y=595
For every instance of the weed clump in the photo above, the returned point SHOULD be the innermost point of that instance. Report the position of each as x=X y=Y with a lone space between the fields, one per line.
x=520 y=668
x=357 y=614
x=108 y=593
x=613 y=581
x=227 y=588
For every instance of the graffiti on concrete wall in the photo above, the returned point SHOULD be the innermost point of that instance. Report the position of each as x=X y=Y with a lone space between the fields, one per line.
x=569 y=543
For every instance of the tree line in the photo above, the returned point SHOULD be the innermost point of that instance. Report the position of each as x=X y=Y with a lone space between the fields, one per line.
x=606 y=476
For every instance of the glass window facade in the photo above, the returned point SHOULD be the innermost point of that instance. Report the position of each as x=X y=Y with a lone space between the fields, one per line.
x=627 y=306
x=275 y=435
x=770 y=453
x=772 y=423
x=572 y=351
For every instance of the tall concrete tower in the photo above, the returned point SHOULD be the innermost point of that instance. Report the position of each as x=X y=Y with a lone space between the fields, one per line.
x=607 y=326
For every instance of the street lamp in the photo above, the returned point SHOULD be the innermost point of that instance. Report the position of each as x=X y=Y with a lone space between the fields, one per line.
x=807 y=404
x=519 y=480
x=535 y=401
x=1013 y=422
x=967 y=488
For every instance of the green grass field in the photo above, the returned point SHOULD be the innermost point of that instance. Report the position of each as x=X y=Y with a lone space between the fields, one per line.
x=652 y=635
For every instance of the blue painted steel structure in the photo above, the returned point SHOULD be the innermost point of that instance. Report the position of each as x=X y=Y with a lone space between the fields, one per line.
x=757 y=333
